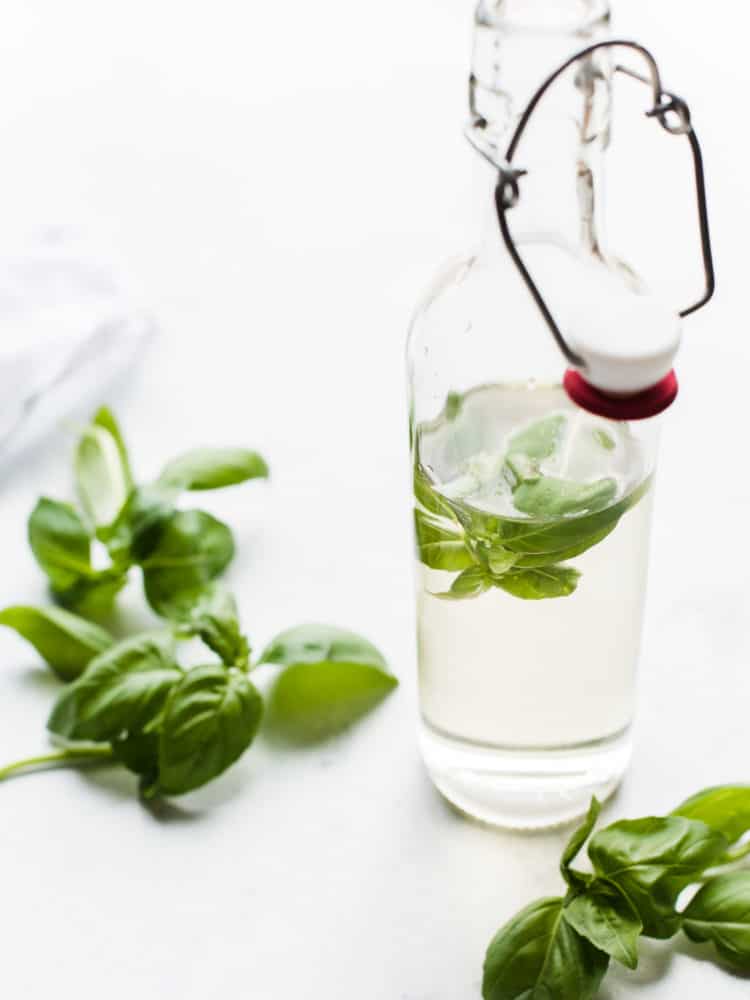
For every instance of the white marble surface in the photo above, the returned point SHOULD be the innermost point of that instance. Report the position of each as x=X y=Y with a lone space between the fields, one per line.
x=282 y=179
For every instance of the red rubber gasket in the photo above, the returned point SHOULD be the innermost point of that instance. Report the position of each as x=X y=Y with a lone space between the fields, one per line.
x=639 y=406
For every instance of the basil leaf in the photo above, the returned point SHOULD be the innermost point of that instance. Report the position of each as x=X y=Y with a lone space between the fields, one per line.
x=454 y=402
x=139 y=752
x=651 y=860
x=534 y=561
x=720 y=912
x=471 y=583
x=541 y=583
x=528 y=447
x=332 y=678
x=604 y=438
x=60 y=543
x=123 y=689
x=95 y=594
x=102 y=480
x=64 y=641
x=538 y=954
x=725 y=808
x=428 y=496
x=576 y=842
x=495 y=558
x=321 y=644
x=140 y=524
x=537 y=537
x=211 y=613
x=106 y=419
x=440 y=547
x=62 y=547
x=210 y=719
x=606 y=917
x=540 y=440
x=551 y=497
x=213 y=468
x=194 y=547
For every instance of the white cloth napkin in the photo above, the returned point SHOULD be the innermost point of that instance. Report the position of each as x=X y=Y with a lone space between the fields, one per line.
x=67 y=327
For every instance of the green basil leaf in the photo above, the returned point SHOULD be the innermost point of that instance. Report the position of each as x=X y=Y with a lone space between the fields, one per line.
x=321 y=644
x=720 y=912
x=550 y=497
x=140 y=524
x=211 y=613
x=576 y=842
x=604 y=438
x=213 y=468
x=537 y=560
x=471 y=583
x=495 y=558
x=64 y=641
x=520 y=468
x=539 y=954
x=725 y=808
x=210 y=719
x=102 y=480
x=60 y=543
x=540 y=440
x=123 y=689
x=62 y=547
x=539 y=584
x=651 y=860
x=106 y=419
x=332 y=678
x=429 y=498
x=528 y=447
x=540 y=537
x=139 y=752
x=440 y=546
x=194 y=547
x=606 y=917
x=95 y=594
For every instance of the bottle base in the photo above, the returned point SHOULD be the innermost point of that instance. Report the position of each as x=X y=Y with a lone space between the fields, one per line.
x=523 y=789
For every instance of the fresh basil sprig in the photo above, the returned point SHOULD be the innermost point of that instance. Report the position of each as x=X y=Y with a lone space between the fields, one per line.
x=527 y=558
x=560 y=947
x=178 y=727
x=134 y=702
x=139 y=524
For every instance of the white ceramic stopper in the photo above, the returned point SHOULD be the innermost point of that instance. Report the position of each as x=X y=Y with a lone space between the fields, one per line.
x=627 y=339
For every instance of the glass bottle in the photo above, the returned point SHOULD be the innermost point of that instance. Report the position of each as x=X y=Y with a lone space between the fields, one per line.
x=531 y=515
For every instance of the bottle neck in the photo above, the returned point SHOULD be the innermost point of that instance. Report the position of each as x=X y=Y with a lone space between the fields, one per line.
x=517 y=44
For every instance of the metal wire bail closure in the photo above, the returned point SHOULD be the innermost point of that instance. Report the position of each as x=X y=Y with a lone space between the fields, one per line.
x=673 y=114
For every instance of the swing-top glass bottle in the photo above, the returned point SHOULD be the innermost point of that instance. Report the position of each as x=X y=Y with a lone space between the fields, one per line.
x=532 y=515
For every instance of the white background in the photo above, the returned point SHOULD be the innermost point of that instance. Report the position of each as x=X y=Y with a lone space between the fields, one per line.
x=282 y=179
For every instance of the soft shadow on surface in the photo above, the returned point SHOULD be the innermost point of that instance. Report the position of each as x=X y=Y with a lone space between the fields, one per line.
x=706 y=953
x=278 y=739
x=655 y=958
x=116 y=782
x=110 y=779
x=40 y=679
x=168 y=811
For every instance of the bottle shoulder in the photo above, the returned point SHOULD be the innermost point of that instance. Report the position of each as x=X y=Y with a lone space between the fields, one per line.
x=473 y=290
x=449 y=282
x=476 y=321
